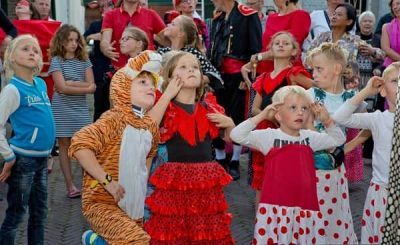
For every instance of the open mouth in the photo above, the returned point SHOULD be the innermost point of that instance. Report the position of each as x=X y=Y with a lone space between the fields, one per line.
x=299 y=120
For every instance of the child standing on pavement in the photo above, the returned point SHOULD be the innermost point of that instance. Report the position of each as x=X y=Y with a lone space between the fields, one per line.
x=381 y=126
x=288 y=211
x=72 y=73
x=328 y=62
x=24 y=102
x=188 y=205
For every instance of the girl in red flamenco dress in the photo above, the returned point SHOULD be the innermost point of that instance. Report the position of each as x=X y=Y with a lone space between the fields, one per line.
x=284 y=48
x=188 y=204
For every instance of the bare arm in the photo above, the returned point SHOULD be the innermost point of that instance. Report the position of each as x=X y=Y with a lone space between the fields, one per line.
x=385 y=44
x=302 y=80
x=256 y=107
x=107 y=46
x=62 y=87
x=363 y=136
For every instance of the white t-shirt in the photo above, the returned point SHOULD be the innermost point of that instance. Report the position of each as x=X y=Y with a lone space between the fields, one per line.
x=381 y=126
x=265 y=139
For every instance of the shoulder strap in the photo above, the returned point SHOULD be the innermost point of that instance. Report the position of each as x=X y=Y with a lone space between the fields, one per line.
x=327 y=19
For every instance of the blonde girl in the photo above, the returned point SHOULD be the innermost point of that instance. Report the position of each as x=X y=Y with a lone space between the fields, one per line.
x=73 y=77
x=24 y=102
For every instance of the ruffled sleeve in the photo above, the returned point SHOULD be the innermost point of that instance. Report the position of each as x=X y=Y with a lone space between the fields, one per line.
x=168 y=127
x=213 y=107
x=258 y=84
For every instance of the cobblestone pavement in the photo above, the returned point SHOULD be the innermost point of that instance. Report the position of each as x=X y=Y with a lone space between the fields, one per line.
x=66 y=223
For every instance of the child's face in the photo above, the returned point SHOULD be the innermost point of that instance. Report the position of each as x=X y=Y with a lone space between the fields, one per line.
x=282 y=47
x=129 y=44
x=143 y=92
x=71 y=44
x=389 y=90
x=173 y=29
x=27 y=54
x=187 y=6
x=188 y=69
x=293 y=114
x=324 y=72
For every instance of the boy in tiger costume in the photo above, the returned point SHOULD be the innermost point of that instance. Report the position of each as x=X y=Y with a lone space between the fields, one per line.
x=116 y=153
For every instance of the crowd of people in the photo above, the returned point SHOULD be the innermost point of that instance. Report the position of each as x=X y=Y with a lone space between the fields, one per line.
x=178 y=99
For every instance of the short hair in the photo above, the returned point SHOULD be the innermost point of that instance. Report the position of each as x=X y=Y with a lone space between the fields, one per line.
x=139 y=35
x=281 y=94
x=8 y=64
x=351 y=14
x=366 y=14
x=332 y=51
x=395 y=66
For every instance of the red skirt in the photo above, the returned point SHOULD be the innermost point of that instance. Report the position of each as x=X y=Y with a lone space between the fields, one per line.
x=188 y=205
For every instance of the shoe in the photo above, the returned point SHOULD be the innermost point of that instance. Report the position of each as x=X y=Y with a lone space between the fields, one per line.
x=89 y=237
x=74 y=192
x=223 y=163
x=50 y=162
x=233 y=170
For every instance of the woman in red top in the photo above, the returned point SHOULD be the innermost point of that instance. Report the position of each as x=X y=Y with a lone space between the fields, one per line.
x=289 y=18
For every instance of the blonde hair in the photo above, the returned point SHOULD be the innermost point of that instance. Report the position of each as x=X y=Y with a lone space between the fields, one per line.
x=395 y=66
x=169 y=68
x=139 y=35
x=281 y=94
x=8 y=63
x=332 y=51
x=295 y=44
x=192 y=37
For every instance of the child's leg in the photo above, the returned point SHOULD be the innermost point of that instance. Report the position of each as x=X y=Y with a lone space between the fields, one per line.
x=65 y=162
x=38 y=203
x=19 y=189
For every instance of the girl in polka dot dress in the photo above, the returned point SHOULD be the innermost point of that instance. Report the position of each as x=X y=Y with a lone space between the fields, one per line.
x=288 y=212
x=381 y=126
x=328 y=62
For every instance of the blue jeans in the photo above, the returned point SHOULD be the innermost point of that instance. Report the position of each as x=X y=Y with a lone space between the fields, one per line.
x=27 y=187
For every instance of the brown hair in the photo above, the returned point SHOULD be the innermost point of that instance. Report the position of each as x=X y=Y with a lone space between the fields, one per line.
x=170 y=67
x=192 y=36
x=139 y=35
x=61 y=38
x=332 y=51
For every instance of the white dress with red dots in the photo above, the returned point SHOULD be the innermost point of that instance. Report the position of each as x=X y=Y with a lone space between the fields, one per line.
x=288 y=211
x=381 y=126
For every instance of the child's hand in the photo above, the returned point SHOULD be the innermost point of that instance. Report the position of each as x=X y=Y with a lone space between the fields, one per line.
x=270 y=111
x=6 y=170
x=173 y=87
x=220 y=120
x=116 y=190
x=320 y=113
x=374 y=85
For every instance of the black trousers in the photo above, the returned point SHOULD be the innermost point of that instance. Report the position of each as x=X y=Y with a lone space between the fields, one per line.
x=101 y=99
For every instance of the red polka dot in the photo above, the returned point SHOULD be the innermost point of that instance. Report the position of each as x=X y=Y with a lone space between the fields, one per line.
x=308 y=214
x=313 y=240
x=274 y=210
x=269 y=220
x=276 y=230
x=321 y=232
x=296 y=235
x=270 y=241
x=378 y=214
x=370 y=239
x=384 y=201
x=317 y=179
x=339 y=170
x=263 y=210
x=339 y=222
x=302 y=214
x=367 y=212
x=256 y=220
x=363 y=223
x=321 y=202
x=382 y=229
x=326 y=189
x=346 y=226
x=336 y=235
x=341 y=181
x=284 y=212
x=284 y=229
x=301 y=231
x=254 y=241
x=330 y=211
x=261 y=231
x=278 y=220
x=326 y=223
x=327 y=176
x=334 y=200
x=313 y=223
x=287 y=220
x=319 y=215
x=308 y=230
x=298 y=219
x=376 y=187
x=373 y=202
x=344 y=195
x=376 y=239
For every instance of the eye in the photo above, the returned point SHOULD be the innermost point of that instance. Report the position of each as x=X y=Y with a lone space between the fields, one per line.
x=292 y=108
x=304 y=108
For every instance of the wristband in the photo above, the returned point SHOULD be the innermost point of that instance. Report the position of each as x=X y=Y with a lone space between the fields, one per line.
x=259 y=57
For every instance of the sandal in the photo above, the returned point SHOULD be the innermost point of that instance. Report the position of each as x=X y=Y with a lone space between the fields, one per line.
x=74 y=192
x=50 y=162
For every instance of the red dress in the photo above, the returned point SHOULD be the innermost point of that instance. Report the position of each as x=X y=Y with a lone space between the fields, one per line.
x=297 y=23
x=188 y=205
x=266 y=87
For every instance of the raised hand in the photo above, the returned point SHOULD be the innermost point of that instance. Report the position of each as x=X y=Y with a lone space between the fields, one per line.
x=173 y=88
x=221 y=120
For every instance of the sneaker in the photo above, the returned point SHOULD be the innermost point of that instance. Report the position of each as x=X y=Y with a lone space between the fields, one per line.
x=233 y=170
x=89 y=237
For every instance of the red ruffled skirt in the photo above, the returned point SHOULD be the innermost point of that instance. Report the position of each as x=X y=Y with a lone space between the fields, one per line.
x=188 y=205
x=258 y=160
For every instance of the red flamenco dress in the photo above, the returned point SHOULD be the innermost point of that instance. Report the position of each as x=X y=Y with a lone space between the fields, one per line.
x=288 y=212
x=188 y=205
x=266 y=86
